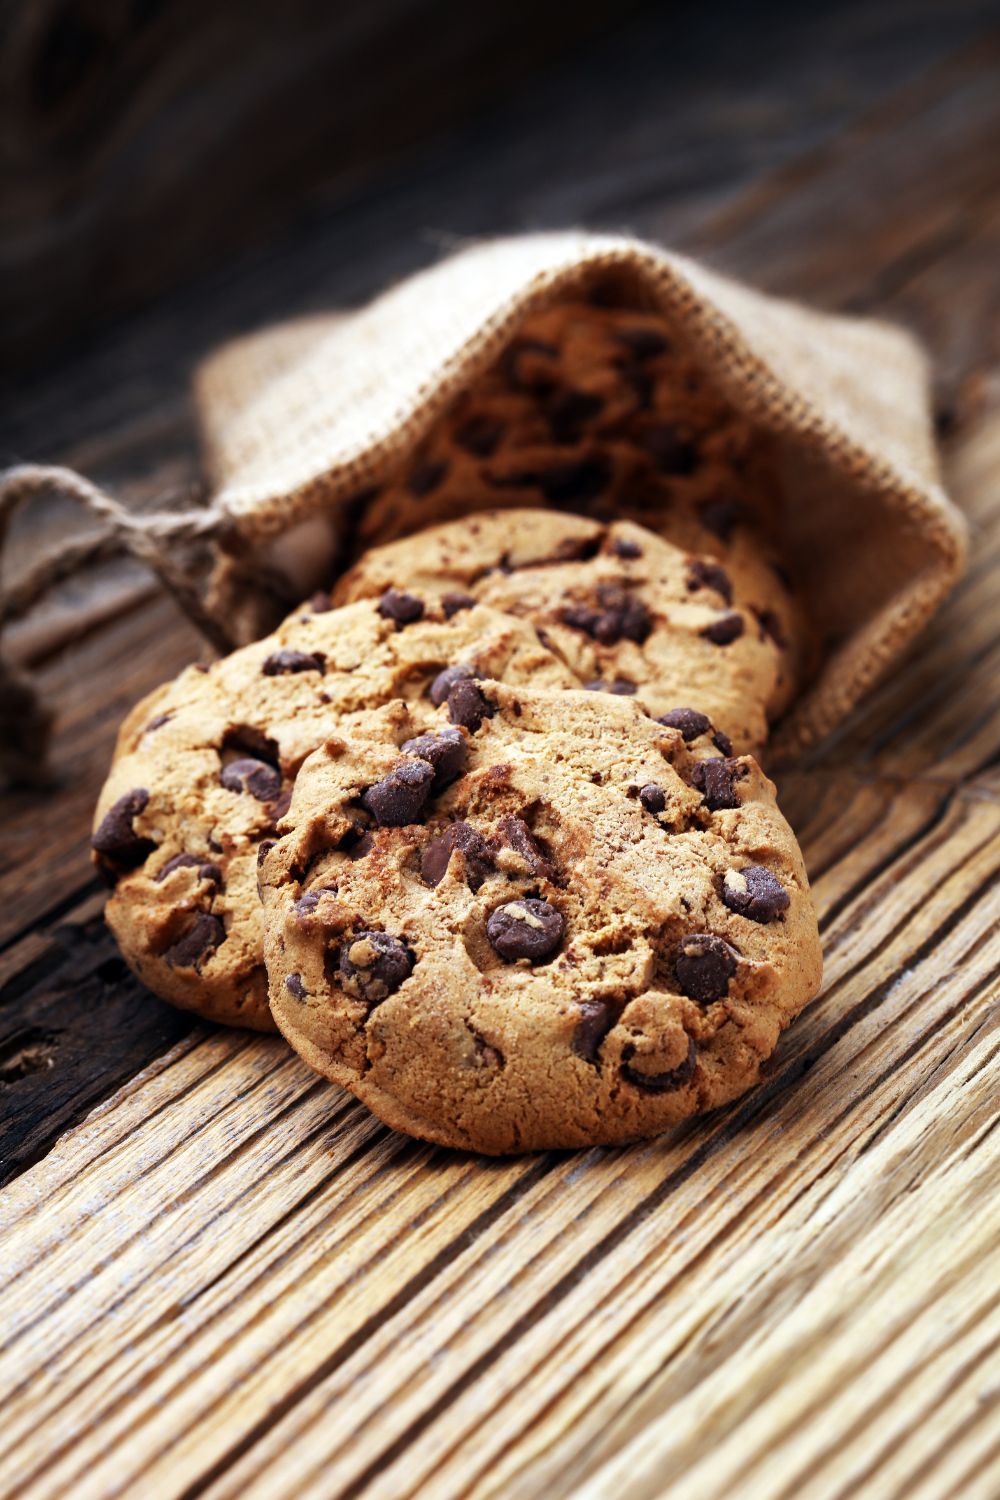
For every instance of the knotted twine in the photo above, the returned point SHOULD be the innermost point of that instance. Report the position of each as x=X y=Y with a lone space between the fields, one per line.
x=300 y=418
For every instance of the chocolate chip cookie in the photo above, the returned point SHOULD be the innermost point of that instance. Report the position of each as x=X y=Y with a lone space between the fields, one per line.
x=205 y=766
x=627 y=611
x=599 y=411
x=527 y=919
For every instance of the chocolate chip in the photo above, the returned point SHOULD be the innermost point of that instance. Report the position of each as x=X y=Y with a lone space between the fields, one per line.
x=596 y=1019
x=704 y=965
x=202 y=938
x=453 y=603
x=659 y=1083
x=321 y=603
x=445 y=681
x=447 y=751
x=400 y=797
x=468 y=706
x=211 y=872
x=294 y=986
x=715 y=779
x=279 y=663
x=689 y=721
x=570 y=411
x=623 y=617
x=669 y=448
x=652 y=797
x=702 y=574
x=518 y=836
x=754 y=892
x=643 y=343
x=562 y=484
x=580 y=617
x=405 y=609
x=521 y=369
x=480 y=435
x=373 y=965
x=305 y=907
x=771 y=627
x=529 y=929
x=724 y=630
x=157 y=722
x=116 y=839
x=624 y=546
x=721 y=741
x=620 y=685
x=720 y=517
x=574 y=549
x=476 y=852
x=361 y=847
x=254 y=776
x=426 y=477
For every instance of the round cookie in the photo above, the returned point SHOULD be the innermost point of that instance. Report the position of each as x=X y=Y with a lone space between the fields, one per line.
x=530 y=920
x=205 y=765
x=599 y=411
x=623 y=608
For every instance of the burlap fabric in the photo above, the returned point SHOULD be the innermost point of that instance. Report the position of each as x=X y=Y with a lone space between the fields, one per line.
x=301 y=419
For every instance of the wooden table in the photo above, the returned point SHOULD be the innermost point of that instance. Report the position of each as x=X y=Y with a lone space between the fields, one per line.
x=223 y=1277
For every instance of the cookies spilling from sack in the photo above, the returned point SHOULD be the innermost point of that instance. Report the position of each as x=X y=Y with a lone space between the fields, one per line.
x=558 y=924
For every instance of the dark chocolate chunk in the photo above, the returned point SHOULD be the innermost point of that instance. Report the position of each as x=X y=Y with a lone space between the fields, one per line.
x=212 y=872
x=201 y=939
x=596 y=1019
x=518 y=836
x=157 y=722
x=623 y=617
x=720 y=517
x=305 y=907
x=454 y=602
x=670 y=449
x=115 y=839
x=520 y=364
x=724 y=630
x=754 y=892
x=620 y=685
x=361 y=847
x=475 y=850
x=480 y=435
x=652 y=797
x=528 y=928
x=426 y=477
x=659 y=1083
x=582 y=479
x=702 y=574
x=445 y=681
x=373 y=965
x=715 y=779
x=279 y=663
x=642 y=343
x=569 y=412
x=771 y=627
x=624 y=546
x=721 y=741
x=294 y=986
x=689 y=721
x=400 y=797
x=177 y=862
x=468 y=706
x=253 y=776
x=447 y=751
x=704 y=965
x=405 y=609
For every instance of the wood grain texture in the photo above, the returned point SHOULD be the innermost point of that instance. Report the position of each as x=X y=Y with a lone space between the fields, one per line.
x=228 y=1280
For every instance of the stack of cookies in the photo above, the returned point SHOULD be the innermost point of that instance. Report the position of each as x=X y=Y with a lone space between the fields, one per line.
x=480 y=830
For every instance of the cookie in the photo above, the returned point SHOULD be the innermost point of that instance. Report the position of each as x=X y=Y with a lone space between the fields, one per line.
x=205 y=766
x=599 y=411
x=528 y=920
x=624 y=609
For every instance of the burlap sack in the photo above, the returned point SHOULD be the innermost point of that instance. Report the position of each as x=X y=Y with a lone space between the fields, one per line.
x=298 y=420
